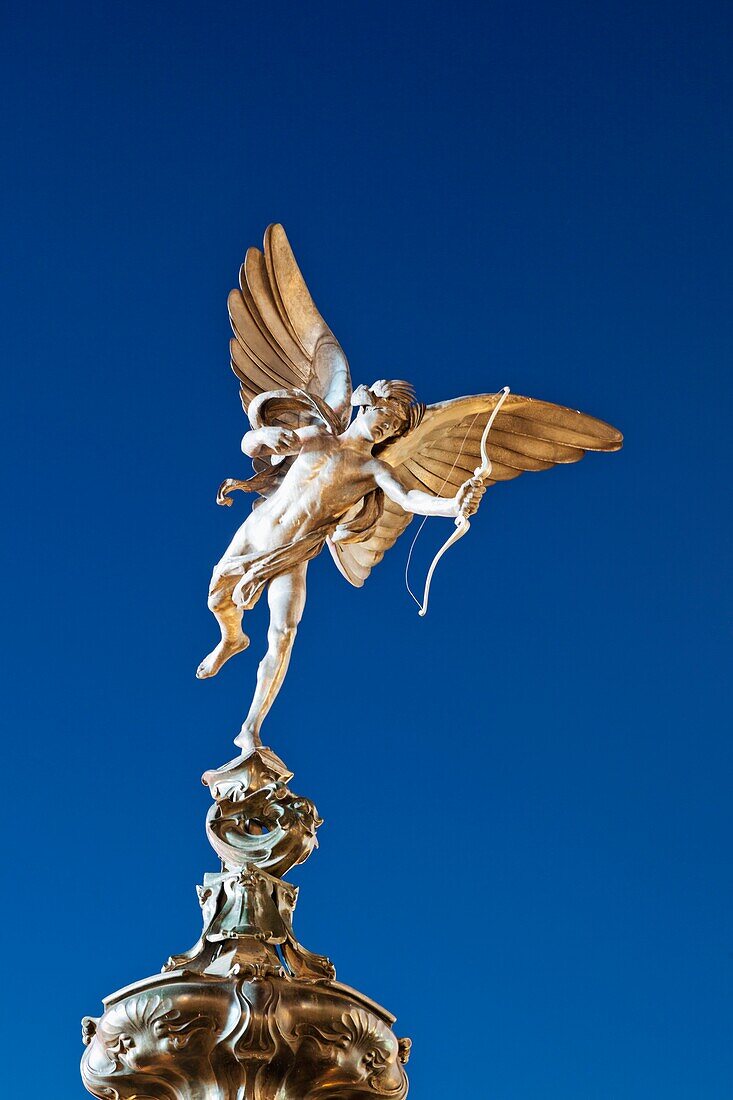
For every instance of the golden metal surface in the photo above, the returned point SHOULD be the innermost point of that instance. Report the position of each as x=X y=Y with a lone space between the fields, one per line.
x=247 y=1012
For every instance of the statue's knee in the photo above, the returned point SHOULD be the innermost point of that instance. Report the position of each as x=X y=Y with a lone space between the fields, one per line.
x=282 y=636
x=220 y=594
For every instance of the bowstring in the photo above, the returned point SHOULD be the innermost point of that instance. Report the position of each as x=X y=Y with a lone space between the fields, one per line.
x=426 y=518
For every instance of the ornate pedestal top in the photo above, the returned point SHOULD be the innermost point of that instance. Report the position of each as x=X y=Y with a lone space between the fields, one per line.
x=247 y=1013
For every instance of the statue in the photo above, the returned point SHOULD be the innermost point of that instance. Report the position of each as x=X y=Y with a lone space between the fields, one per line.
x=351 y=484
x=248 y=1012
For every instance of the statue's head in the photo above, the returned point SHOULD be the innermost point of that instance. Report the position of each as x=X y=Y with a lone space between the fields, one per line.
x=388 y=409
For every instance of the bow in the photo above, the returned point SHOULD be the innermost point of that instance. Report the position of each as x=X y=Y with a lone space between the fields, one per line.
x=462 y=522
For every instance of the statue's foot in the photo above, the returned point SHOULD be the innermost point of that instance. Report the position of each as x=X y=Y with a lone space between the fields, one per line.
x=248 y=739
x=219 y=656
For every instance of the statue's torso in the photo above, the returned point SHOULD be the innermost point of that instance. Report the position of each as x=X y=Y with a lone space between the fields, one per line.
x=325 y=480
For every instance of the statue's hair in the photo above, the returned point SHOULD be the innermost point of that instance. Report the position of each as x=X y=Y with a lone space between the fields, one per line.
x=400 y=396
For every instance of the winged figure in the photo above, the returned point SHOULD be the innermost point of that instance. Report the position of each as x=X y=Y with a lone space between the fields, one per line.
x=347 y=468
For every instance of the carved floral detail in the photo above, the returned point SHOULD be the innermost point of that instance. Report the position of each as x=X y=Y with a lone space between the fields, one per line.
x=227 y=1038
x=359 y=1038
x=149 y=1015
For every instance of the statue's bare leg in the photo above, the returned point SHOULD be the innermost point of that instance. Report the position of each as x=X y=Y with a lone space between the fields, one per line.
x=286 y=597
x=229 y=618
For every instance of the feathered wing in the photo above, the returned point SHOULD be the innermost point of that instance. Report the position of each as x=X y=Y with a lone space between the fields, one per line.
x=444 y=450
x=280 y=341
x=355 y=560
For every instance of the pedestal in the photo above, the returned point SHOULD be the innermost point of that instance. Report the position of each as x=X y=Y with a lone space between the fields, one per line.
x=247 y=1013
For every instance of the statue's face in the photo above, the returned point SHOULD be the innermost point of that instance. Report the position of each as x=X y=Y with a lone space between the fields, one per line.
x=379 y=422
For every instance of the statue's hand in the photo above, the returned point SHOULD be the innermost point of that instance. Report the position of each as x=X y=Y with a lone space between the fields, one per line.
x=469 y=497
x=222 y=493
x=278 y=441
x=228 y=486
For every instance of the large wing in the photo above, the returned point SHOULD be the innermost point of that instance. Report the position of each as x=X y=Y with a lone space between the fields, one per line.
x=280 y=339
x=444 y=450
x=527 y=434
x=355 y=560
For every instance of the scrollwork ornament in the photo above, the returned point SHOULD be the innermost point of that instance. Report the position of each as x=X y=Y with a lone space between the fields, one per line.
x=225 y=1038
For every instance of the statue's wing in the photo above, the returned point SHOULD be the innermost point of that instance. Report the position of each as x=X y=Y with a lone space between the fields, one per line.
x=444 y=450
x=281 y=342
x=355 y=560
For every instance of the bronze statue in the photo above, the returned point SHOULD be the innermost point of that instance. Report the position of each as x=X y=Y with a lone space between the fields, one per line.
x=353 y=485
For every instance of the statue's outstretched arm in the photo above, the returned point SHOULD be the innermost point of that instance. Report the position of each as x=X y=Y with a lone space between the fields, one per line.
x=467 y=498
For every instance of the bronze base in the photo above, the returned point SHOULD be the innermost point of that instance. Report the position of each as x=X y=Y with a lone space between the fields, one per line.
x=248 y=1013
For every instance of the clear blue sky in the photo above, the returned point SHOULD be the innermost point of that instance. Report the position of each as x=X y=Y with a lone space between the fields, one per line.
x=526 y=853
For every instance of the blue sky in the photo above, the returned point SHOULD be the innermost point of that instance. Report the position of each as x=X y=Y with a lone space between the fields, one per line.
x=526 y=853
